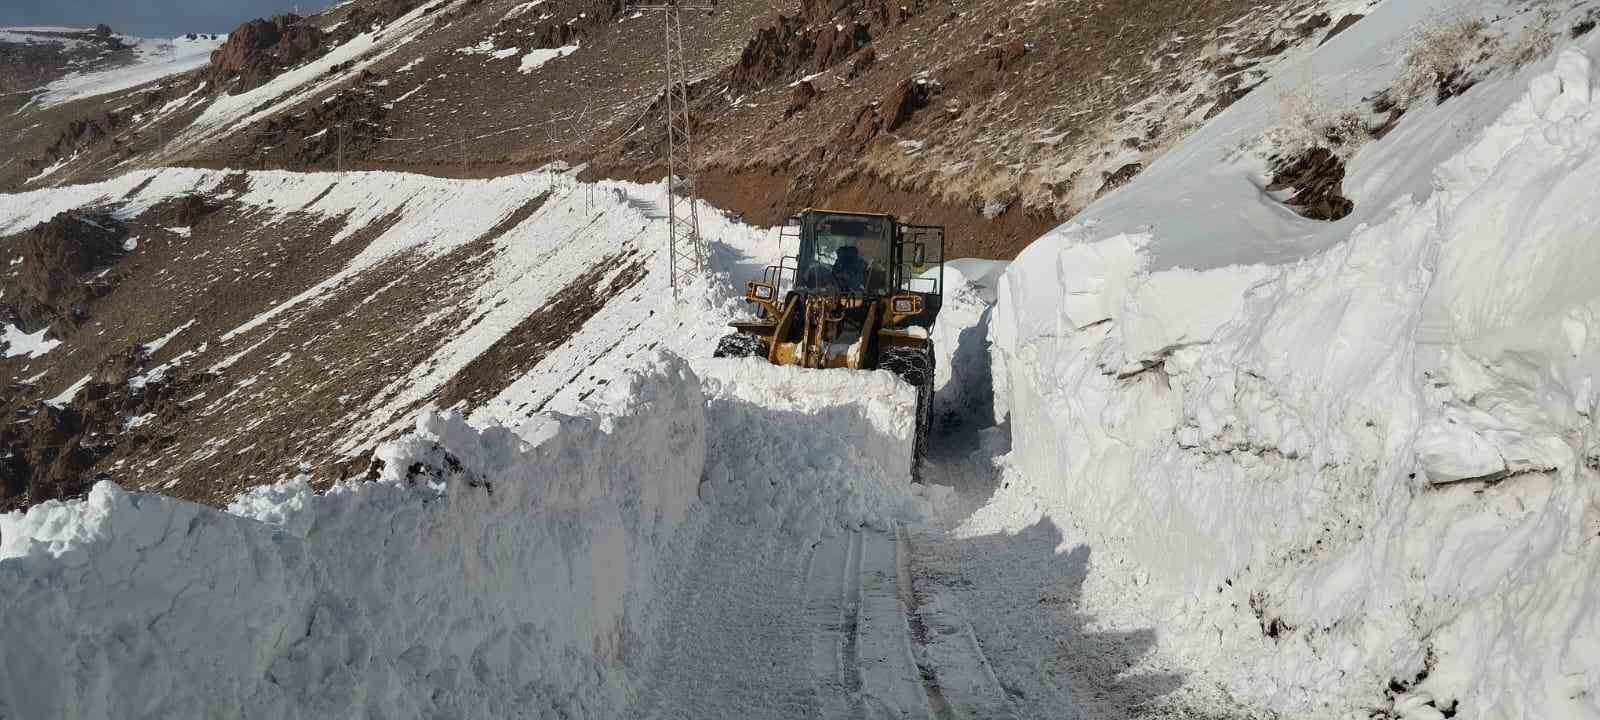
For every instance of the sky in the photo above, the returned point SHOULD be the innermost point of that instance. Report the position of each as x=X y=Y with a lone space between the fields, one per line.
x=148 y=18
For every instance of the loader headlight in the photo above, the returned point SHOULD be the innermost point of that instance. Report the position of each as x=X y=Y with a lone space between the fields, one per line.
x=761 y=291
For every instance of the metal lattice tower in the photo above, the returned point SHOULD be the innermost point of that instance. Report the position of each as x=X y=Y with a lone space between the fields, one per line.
x=686 y=252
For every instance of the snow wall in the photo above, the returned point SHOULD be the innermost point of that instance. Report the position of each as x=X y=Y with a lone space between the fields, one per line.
x=492 y=572
x=1364 y=480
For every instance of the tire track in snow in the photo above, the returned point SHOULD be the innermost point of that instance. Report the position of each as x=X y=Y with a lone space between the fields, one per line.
x=917 y=631
x=832 y=607
x=961 y=681
x=891 y=682
x=835 y=632
x=737 y=642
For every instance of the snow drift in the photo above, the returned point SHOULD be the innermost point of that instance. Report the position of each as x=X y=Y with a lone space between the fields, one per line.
x=1349 y=467
x=480 y=574
x=487 y=572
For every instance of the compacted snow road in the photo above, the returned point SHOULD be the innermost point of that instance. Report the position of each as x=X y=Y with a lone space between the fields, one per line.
x=834 y=632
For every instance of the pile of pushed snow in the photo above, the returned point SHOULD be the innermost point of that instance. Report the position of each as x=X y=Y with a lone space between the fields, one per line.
x=809 y=450
x=488 y=572
x=1348 y=466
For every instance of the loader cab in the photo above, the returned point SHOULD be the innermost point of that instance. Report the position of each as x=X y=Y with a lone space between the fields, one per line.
x=868 y=254
x=851 y=261
x=845 y=253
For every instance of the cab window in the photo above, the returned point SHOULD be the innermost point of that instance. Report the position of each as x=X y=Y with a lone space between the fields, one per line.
x=848 y=254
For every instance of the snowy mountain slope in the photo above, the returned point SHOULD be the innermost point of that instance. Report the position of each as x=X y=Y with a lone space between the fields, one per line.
x=153 y=59
x=499 y=297
x=302 y=318
x=1341 y=466
x=228 y=113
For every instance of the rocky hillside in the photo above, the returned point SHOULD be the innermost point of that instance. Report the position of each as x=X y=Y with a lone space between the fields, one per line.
x=995 y=117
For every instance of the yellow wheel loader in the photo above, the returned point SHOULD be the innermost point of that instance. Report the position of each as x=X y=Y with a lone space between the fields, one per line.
x=862 y=292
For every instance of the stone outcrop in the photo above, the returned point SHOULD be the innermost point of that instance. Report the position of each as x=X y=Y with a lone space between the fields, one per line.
x=800 y=96
x=1317 y=178
x=790 y=45
x=57 y=255
x=260 y=49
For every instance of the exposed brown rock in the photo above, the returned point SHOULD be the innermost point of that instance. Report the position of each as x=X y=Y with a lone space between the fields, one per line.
x=1317 y=178
x=1007 y=55
x=343 y=129
x=800 y=96
x=860 y=130
x=905 y=99
x=260 y=49
x=1122 y=176
x=56 y=257
x=53 y=451
x=191 y=209
x=545 y=28
x=863 y=62
x=789 y=45
x=79 y=134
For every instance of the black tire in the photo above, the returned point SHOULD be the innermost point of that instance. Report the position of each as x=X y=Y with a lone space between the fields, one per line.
x=916 y=367
x=741 y=345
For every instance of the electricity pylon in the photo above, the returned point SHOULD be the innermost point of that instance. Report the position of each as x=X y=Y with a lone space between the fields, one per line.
x=685 y=251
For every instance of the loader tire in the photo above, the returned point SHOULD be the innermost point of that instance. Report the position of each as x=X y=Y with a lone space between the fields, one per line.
x=916 y=367
x=741 y=345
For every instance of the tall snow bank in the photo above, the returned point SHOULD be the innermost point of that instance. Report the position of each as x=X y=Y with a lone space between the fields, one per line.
x=482 y=575
x=1368 y=468
x=487 y=572
x=961 y=341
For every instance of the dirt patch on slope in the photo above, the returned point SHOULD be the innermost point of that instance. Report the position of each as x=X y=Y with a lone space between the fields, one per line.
x=546 y=329
x=769 y=198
